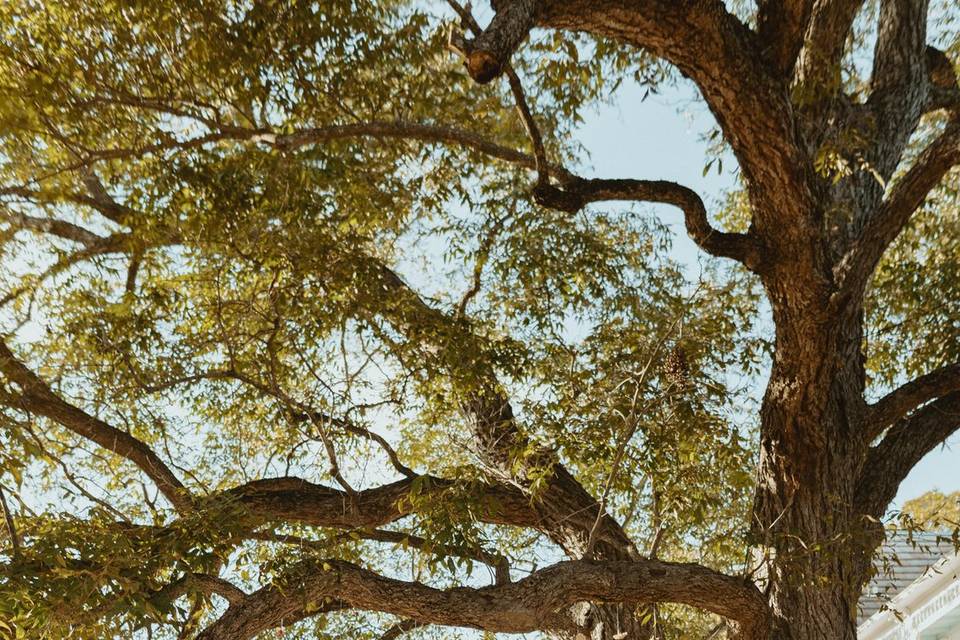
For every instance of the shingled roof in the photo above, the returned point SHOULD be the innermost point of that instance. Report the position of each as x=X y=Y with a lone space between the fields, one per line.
x=901 y=561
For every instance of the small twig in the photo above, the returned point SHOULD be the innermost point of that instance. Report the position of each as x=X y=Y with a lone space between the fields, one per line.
x=483 y=254
x=11 y=529
x=627 y=435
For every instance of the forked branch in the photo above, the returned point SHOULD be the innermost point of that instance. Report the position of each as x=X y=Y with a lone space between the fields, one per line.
x=900 y=402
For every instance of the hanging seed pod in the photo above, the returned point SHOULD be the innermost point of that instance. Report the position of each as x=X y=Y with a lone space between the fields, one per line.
x=676 y=370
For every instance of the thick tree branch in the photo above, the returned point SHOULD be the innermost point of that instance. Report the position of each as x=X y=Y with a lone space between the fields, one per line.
x=531 y=604
x=489 y=54
x=905 y=444
x=899 y=57
x=818 y=66
x=898 y=403
x=899 y=85
x=568 y=510
x=749 y=99
x=36 y=397
x=781 y=25
x=906 y=196
x=944 y=90
x=300 y=501
x=577 y=194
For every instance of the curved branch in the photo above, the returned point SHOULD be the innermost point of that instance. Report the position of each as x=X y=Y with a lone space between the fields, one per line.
x=576 y=194
x=905 y=444
x=36 y=397
x=898 y=403
x=750 y=101
x=398 y=129
x=531 y=604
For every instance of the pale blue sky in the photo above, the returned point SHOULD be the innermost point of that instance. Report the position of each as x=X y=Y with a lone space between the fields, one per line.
x=661 y=138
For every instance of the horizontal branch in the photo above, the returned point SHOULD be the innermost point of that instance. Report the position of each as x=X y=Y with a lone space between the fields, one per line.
x=495 y=561
x=36 y=397
x=898 y=403
x=383 y=130
x=297 y=500
x=578 y=193
x=534 y=603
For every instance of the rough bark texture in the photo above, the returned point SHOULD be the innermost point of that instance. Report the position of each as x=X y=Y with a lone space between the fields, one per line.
x=830 y=463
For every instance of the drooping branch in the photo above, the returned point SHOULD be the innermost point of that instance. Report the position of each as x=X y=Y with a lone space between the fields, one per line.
x=904 y=445
x=906 y=196
x=898 y=403
x=576 y=194
x=531 y=604
x=35 y=396
x=781 y=25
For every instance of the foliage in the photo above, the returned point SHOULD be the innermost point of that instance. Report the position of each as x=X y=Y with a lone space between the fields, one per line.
x=202 y=249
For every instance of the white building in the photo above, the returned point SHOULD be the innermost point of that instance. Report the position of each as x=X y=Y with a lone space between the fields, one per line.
x=916 y=594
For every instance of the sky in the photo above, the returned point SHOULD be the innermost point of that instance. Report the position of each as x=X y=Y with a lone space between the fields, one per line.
x=662 y=138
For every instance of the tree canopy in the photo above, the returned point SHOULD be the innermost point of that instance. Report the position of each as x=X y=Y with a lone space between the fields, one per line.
x=316 y=325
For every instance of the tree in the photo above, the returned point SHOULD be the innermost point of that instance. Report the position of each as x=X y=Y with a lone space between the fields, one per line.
x=933 y=510
x=304 y=323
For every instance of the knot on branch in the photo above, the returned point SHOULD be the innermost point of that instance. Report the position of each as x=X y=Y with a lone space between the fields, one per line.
x=487 y=56
x=570 y=200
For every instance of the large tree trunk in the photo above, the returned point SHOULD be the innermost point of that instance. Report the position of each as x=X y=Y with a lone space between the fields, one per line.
x=812 y=446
